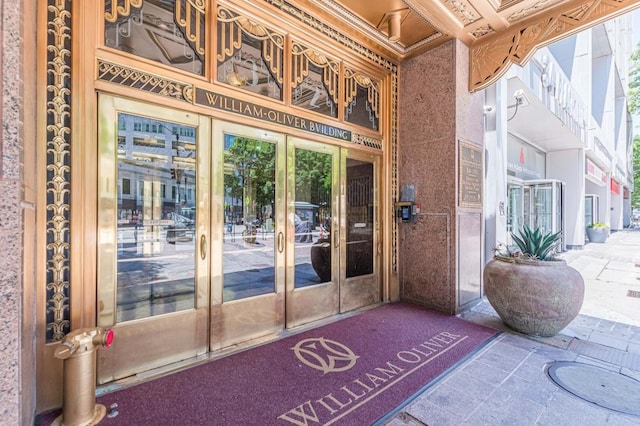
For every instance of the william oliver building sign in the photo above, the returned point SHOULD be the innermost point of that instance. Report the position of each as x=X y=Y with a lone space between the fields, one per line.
x=225 y=103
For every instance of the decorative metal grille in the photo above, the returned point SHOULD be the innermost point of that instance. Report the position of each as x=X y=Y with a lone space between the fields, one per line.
x=144 y=81
x=58 y=168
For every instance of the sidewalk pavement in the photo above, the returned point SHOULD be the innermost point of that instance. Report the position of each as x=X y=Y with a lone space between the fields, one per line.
x=507 y=382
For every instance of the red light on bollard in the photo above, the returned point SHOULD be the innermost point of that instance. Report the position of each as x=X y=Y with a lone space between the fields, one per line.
x=108 y=338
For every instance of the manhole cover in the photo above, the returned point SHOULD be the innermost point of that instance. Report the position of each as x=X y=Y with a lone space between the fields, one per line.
x=597 y=385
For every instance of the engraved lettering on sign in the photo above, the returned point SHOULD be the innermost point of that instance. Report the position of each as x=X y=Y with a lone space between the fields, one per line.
x=470 y=173
x=213 y=100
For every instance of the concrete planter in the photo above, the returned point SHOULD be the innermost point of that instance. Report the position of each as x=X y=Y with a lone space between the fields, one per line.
x=534 y=297
x=598 y=235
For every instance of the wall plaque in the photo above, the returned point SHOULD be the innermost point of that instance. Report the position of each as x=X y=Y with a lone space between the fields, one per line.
x=225 y=103
x=470 y=175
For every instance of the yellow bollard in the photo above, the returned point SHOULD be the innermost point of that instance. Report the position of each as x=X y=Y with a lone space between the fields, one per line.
x=78 y=348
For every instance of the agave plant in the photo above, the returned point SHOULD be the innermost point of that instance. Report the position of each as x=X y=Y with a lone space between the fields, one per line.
x=535 y=244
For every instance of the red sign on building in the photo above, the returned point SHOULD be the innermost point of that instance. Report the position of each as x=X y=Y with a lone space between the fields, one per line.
x=615 y=187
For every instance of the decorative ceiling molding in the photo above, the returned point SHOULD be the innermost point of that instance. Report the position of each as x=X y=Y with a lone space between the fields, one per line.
x=463 y=10
x=363 y=26
x=491 y=56
x=498 y=33
x=531 y=10
x=482 y=31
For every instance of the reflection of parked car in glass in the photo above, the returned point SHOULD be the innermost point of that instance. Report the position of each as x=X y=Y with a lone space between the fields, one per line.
x=182 y=229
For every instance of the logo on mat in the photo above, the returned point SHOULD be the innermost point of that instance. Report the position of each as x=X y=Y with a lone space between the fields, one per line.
x=325 y=355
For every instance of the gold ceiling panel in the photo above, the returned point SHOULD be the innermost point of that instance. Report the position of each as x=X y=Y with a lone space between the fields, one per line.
x=492 y=29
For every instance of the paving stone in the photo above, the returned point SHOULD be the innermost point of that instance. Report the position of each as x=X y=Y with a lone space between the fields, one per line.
x=513 y=413
x=460 y=400
x=486 y=373
x=495 y=359
x=568 y=410
x=609 y=339
x=431 y=414
x=598 y=351
x=404 y=419
x=448 y=402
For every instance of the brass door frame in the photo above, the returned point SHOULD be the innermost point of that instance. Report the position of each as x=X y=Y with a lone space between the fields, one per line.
x=308 y=304
x=241 y=320
x=137 y=348
x=362 y=290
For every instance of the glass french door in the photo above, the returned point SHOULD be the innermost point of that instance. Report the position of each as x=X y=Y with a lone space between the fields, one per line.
x=249 y=226
x=313 y=231
x=153 y=231
x=515 y=209
x=360 y=243
x=213 y=234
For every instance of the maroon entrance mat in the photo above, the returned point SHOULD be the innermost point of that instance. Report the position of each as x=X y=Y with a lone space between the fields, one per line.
x=351 y=372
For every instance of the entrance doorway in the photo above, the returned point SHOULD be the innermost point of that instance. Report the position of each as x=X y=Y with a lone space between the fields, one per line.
x=214 y=234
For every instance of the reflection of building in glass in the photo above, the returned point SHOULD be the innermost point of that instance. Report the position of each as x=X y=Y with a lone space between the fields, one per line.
x=152 y=32
x=156 y=170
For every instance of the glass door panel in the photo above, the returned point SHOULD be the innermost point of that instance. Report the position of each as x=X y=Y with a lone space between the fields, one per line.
x=152 y=273
x=360 y=285
x=515 y=212
x=248 y=284
x=250 y=197
x=312 y=237
x=312 y=201
x=543 y=204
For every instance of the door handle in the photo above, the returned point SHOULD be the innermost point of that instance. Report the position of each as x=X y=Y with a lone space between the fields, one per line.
x=280 y=242
x=203 y=246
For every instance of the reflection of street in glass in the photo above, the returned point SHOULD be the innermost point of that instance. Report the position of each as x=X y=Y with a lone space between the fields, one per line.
x=153 y=277
x=156 y=272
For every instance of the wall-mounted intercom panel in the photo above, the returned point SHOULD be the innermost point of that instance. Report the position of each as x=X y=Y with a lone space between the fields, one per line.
x=406 y=211
x=406 y=208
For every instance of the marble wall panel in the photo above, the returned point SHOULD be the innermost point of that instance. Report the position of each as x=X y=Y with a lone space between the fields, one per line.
x=427 y=152
x=436 y=110
x=426 y=276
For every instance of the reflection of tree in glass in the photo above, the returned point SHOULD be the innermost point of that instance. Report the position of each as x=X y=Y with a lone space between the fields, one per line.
x=252 y=178
x=313 y=179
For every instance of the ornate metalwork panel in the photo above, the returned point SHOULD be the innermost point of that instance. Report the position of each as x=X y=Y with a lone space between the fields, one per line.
x=144 y=81
x=362 y=100
x=58 y=168
x=490 y=59
x=250 y=55
x=367 y=141
x=315 y=79
x=168 y=32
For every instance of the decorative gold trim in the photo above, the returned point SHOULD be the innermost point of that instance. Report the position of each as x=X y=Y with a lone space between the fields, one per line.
x=394 y=170
x=482 y=31
x=190 y=16
x=120 y=9
x=58 y=185
x=333 y=33
x=463 y=10
x=140 y=80
x=301 y=56
x=492 y=57
x=535 y=8
x=367 y=141
x=234 y=25
x=353 y=80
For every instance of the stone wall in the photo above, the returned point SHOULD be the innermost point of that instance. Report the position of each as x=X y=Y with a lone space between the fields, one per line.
x=17 y=212
x=436 y=111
